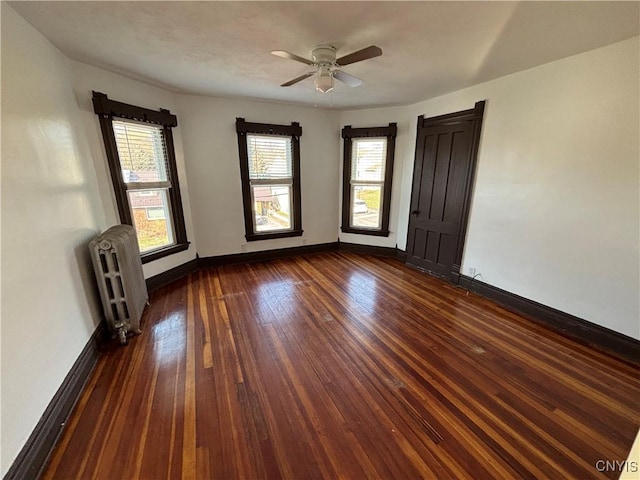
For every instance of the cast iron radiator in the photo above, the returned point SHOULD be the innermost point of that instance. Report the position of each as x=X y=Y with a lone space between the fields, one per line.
x=116 y=261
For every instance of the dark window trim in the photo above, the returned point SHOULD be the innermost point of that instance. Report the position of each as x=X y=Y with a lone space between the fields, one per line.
x=295 y=132
x=107 y=109
x=348 y=134
x=102 y=105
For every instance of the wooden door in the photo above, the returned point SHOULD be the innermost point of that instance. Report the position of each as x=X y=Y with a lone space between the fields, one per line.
x=446 y=151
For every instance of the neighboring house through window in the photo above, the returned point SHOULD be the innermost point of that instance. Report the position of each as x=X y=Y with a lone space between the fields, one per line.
x=367 y=175
x=270 y=172
x=139 y=146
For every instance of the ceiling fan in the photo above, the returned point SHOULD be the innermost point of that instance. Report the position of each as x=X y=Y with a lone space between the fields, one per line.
x=326 y=65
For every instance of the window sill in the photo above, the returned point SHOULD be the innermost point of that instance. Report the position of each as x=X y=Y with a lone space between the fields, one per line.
x=252 y=237
x=364 y=231
x=163 y=252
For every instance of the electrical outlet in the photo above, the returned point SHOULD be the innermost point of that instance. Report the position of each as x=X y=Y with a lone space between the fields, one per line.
x=472 y=272
x=243 y=247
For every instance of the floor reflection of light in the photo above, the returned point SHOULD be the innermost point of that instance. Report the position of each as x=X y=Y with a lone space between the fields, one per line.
x=169 y=339
x=363 y=290
x=273 y=298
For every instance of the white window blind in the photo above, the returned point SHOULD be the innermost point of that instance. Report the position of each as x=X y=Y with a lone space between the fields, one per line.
x=368 y=159
x=270 y=157
x=142 y=152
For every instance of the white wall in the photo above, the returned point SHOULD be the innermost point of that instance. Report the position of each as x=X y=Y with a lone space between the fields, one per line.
x=50 y=209
x=555 y=214
x=213 y=170
x=122 y=89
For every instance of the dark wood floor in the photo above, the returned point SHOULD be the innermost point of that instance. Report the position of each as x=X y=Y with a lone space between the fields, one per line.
x=345 y=366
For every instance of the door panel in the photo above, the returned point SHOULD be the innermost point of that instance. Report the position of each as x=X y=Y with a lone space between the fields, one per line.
x=443 y=165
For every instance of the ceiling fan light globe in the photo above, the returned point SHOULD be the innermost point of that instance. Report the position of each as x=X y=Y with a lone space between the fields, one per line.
x=323 y=83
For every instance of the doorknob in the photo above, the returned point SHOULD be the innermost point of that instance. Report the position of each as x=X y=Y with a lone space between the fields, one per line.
x=415 y=212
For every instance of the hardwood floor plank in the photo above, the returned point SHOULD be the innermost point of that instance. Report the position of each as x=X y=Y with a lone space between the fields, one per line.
x=189 y=426
x=204 y=293
x=339 y=365
x=147 y=412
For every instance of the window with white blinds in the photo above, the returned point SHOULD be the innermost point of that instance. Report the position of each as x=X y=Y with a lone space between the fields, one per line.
x=142 y=152
x=269 y=167
x=144 y=165
x=368 y=162
x=270 y=157
x=139 y=147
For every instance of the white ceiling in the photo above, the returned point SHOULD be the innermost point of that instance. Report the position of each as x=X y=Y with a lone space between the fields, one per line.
x=429 y=48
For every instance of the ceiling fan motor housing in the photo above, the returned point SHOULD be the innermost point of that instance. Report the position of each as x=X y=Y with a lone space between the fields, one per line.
x=324 y=54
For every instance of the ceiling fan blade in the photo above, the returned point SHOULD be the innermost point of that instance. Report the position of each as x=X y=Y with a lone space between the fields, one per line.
x=297 y=79
x=347 y=78
x=364 y=54
x=291 y=56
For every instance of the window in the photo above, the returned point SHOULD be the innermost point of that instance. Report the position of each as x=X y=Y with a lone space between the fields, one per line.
x=270 y=171
x=367 y=174
x=139 y=147
x=156 y=214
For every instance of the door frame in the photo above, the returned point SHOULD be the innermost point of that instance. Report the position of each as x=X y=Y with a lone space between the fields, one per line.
x=474 y=115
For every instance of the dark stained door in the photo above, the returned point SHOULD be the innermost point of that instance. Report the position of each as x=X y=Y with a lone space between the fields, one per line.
x=446 y=150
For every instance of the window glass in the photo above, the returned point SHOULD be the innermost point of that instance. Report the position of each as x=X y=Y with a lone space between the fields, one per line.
x=151 y=218
x=272 y=207
x=143 y=160
x=270 y=160
x=368 y=158
x=365 y=206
